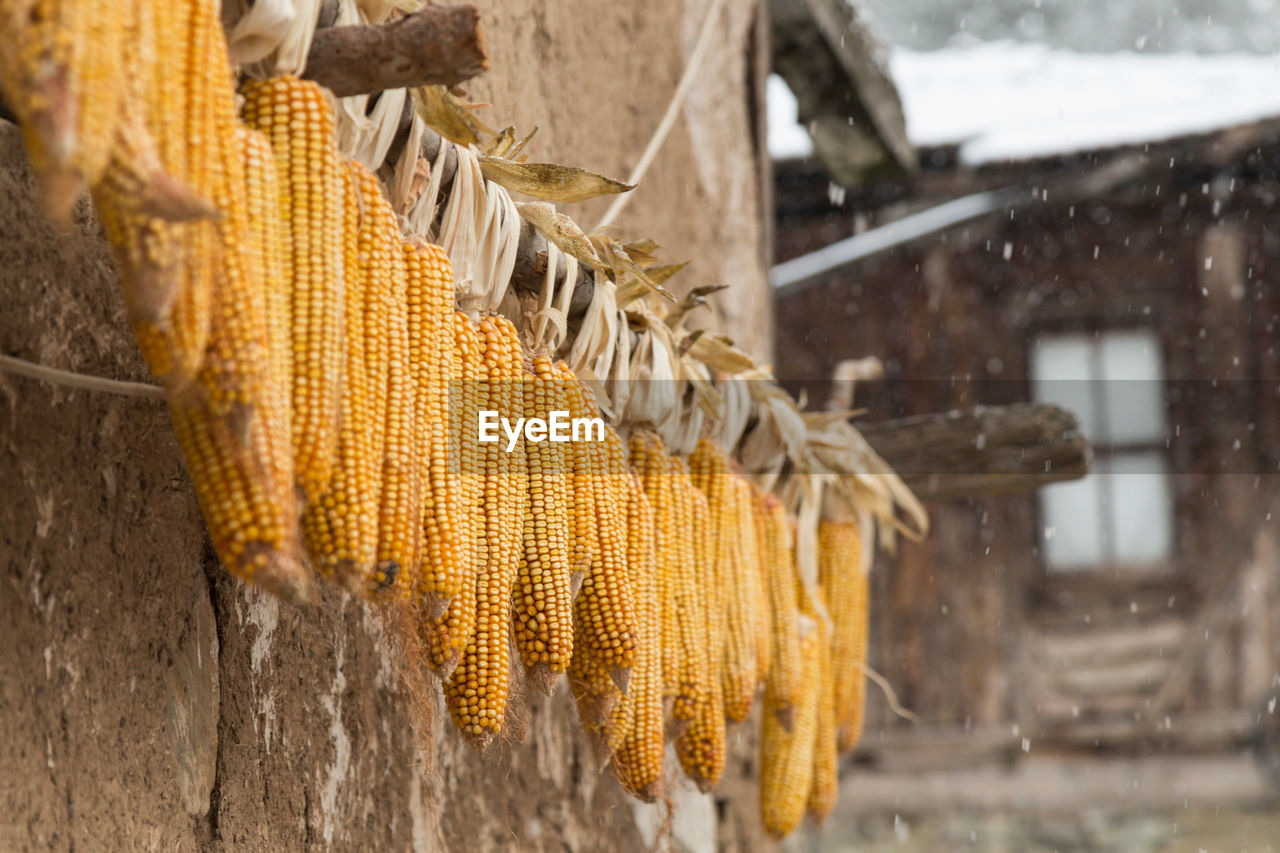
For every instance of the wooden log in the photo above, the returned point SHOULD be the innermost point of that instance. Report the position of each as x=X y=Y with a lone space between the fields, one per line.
x=986 y=450
x=437 y=45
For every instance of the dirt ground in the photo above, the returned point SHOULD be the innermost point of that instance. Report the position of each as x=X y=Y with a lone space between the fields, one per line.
x=147 y=701
x=1195 y=830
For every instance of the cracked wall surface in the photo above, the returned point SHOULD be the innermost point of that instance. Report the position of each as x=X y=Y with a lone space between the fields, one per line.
x=148 y=701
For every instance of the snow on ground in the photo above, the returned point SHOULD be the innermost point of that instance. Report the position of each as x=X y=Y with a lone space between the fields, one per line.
x=1002 y=100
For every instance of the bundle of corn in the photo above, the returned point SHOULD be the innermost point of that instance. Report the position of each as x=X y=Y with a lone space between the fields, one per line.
x=308 y=347
x=842 y=578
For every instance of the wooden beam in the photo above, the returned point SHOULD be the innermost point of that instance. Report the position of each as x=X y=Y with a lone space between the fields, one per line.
x=437 y=45
x=983 y=451
x=831 y=57
x=929 y=747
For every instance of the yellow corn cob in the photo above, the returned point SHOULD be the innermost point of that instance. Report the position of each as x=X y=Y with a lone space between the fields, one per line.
x=774 y=535
x=340 y=526
x=431 y=330
x=584 y=547
x=693 y=681
x=650 y=463
x=64 y=72
x=824 y=789
x=267 y=243
x=542 y=603
x=242 y=467
x=637 y=741
x=733 y=537
x=145 y=202
x=701 y=747
x=296 y=117
x=605 y=606
x=188 y=75
x=762 y=608
x=477 y=690
x=786 y=758
x=400 y=512
x=233 y=424
x=594 y=693
x=447 y=634
x=843 y=584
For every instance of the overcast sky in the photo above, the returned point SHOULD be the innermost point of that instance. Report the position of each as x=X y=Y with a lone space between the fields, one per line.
x=1164 y=26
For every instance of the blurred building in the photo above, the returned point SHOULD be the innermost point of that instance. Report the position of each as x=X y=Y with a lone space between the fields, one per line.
x=1134 y=613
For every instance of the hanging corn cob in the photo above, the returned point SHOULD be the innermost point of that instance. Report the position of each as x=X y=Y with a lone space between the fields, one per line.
x=701 y=747
x=693 y=681
x=650 y=463
x=447 y=634
x=824 y=788
x=181 y=117
x=296 y=117
x=340 y=526
x=757 y=584
x=63 y=72
x=604 y=608
x=733 y=536
x=267 y=245
x=477 y=690
x=148 y=199
x=542 y=604
x=594 y=691
x=584 y=545
x=786 y=758
x=774 y=536
x=843 y=582
x=431 y=329
x=636 y=739
x=232 y=423
x=400 y=507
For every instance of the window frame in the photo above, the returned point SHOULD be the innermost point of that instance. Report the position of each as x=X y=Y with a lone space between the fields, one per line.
x=1094 y=328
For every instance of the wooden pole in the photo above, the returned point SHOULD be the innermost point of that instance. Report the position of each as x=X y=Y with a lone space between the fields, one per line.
x=983 y=451
x=437 y=45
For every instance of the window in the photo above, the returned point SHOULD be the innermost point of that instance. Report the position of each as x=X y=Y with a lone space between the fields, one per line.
x=1120 y=514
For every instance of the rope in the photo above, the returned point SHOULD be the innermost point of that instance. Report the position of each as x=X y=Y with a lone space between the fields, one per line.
x=668 y=118
x=31 y=370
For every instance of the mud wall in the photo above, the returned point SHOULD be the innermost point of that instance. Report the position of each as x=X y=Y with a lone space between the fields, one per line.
x=148 y=701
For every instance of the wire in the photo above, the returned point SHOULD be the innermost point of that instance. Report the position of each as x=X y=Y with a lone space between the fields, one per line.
x=889 y=695
x=31 y=370
x=668 y=118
